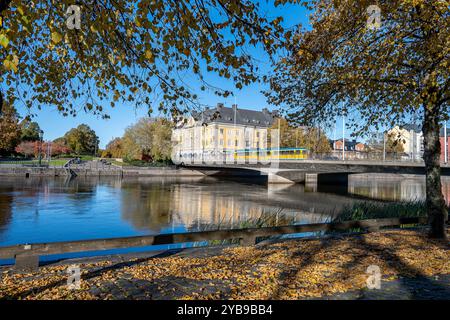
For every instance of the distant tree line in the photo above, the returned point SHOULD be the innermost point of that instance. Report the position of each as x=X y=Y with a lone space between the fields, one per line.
x=311 y=138
x=23 y=137
x=15 y=132
x=147 y=140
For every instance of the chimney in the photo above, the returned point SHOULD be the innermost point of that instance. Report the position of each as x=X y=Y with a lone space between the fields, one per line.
x=234 y=106
x=219 y=106
x=265 y=111
x=275 y=113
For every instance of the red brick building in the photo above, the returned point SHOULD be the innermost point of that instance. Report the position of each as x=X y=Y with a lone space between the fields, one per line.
x=442 y=141
x=350 y=145
x=353 y=149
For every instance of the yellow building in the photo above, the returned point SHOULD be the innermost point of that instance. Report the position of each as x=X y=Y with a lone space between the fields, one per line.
x=216 y=133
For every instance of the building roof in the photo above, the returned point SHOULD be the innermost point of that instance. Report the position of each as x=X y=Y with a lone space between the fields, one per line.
x=227 y=115
x=347 y=142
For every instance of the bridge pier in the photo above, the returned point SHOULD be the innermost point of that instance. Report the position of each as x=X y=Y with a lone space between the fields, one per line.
x=311 y=182
x=284 y=176
x=273 y=178
x=325 y=181
x=340 y=178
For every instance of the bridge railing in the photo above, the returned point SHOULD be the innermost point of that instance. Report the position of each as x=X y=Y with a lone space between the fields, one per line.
x=367 y=156
x=27 y=255
x=229 y=157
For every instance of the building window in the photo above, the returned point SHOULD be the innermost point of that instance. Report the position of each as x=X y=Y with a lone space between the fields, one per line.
x=221 y=131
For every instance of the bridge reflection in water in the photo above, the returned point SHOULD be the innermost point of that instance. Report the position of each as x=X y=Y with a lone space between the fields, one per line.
x=43 y=210
x=393 y=187
x=209 y=204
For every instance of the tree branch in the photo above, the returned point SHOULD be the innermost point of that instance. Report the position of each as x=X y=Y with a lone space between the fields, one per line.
x=4 y=4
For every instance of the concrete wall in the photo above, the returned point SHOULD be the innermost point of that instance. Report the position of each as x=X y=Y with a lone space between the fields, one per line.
x=167 y=172
x=24 y=171
x=54 y=172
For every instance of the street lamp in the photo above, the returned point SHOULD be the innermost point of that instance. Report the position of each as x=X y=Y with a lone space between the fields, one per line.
x=41 y=135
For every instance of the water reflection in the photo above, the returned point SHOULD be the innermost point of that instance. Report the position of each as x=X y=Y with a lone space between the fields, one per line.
x=5 y=211
x=393 y=187
x=151 y=204
x=42 y=209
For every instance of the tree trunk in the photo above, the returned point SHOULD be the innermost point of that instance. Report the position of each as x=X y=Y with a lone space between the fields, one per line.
x=4 y=4
x=435 y=203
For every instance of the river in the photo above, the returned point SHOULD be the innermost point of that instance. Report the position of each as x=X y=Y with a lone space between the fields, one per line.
x=57 y=209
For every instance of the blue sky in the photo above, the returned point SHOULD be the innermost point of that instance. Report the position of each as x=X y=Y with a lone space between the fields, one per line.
x=55 y=125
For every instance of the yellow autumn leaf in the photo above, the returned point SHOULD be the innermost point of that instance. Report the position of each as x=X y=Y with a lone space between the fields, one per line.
x=149 y=55
x=56 y=37
x=11 y=64
x=138 y=22
x=111 y=58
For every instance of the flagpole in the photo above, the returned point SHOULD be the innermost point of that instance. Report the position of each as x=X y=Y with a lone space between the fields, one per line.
x=445 y=143
x=343 y=137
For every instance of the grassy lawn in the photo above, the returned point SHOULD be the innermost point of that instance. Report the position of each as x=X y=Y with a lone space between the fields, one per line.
x=138 y=163
x=85 y=158
x=118 y=163
x=53 y=163
x=58 y=162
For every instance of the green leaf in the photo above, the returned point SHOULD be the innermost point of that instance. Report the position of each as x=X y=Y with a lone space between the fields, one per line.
x=4 y=41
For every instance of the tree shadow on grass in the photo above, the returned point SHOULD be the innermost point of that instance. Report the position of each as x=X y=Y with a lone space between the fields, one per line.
x=411 y=284
x=307 y=258
x=414 y=283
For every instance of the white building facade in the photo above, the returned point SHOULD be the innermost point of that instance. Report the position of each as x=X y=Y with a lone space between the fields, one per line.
x=411 y=137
